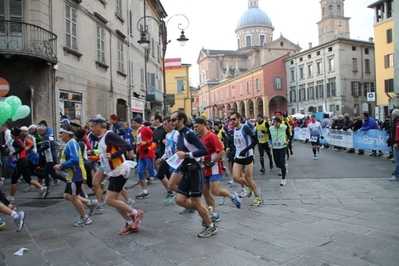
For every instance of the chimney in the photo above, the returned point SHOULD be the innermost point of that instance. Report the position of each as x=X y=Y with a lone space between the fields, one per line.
x=371 y=39
x=310 y=45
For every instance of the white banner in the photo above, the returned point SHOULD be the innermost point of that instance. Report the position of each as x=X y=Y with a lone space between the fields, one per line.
x=303 y=133
x=340 y=138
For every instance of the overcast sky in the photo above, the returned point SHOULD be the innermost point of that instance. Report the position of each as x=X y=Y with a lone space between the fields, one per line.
x=213 y=22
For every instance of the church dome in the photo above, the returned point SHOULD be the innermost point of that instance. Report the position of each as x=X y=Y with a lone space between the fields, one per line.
x=253 y=16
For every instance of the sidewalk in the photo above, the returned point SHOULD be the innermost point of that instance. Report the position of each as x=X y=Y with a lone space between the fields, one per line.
x=337 y=210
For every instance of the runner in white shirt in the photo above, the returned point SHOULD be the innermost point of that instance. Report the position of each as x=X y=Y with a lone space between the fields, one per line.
x=315 y=133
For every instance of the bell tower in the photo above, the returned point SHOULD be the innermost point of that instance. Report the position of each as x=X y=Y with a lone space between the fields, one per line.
x=333 y=23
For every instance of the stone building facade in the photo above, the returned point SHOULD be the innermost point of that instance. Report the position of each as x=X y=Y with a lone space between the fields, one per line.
x=81 y=57
x=338 y=75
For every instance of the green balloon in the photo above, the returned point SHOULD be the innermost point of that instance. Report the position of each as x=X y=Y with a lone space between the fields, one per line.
x=14 y=103
x=5 y=112
x=22 y=112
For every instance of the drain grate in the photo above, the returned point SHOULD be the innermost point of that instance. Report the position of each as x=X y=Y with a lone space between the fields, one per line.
x=40 y=203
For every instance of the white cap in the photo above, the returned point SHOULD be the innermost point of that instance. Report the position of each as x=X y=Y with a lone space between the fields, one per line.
x=24 y=128
x=32 y=126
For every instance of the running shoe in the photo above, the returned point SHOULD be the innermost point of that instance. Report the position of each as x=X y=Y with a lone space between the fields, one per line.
x=186 y=210
x=169 y=198
x=394 y=178
x=315 y=157
x=243 y=193
x=2 y=223
x=20 y=221
x=249 y=189
x=83 y=221
x=143 y=195
x=29 y=189
x=20 y=179
x=44 y=191
x=279 y=173
x=236 y=200
x=215 y=217
x=208 y=231
x=92 y=207
x=137 y=218
x=128 y=229
x=55 y=182
x=11 y=199
x=2 y=181
x=283 y=182
x=262 y=170
x=231 y=182
x=257 y=201
x=99 y=208
x=130 y=202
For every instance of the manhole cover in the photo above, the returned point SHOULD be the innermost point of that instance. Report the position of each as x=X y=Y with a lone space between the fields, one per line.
x=40 y=203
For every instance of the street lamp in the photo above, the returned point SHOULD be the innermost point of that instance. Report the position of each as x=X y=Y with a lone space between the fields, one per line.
x=144 y=42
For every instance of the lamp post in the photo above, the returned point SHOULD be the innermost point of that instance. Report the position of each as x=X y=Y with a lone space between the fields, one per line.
x=144 y=42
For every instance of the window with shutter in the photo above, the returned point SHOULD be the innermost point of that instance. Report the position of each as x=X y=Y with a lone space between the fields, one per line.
x=119 y=7
x=180 y=86
x=100 y=45
x=151 y=80
x=15 y=10
x=120 y=57
x=142 y=78
x=11 y=10
x=130 y=73
x=328 y=90
x=70 y=27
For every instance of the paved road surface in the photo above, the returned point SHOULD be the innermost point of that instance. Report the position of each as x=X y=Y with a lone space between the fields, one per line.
x=338 y=210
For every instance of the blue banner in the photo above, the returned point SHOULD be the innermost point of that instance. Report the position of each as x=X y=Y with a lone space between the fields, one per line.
x=372 y=139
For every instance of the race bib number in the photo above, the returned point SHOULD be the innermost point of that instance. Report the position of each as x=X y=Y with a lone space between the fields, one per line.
x=238 y=141
x=314 y=138
x=261 y=136
x=168 y=152
x=277 y=143
x=174 y=161
x=138 y=138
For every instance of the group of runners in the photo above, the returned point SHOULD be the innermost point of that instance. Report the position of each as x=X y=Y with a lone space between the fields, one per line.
x=188 y=163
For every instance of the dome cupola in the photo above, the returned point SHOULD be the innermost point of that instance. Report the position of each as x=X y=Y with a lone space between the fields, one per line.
x=253 y=16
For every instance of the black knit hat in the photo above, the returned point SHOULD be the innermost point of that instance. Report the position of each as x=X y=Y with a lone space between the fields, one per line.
x=79 y=133
x=15 y=131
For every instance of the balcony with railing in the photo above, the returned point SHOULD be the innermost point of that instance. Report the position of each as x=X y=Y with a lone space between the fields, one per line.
x=19 y=38
x=154 y=95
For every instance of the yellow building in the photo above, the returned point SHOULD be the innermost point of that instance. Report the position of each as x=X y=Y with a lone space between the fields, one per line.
x=178 y=85
x=384 y=53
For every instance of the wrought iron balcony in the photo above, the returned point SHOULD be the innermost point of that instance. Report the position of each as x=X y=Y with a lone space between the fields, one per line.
x=154 y=95
x=19 y=38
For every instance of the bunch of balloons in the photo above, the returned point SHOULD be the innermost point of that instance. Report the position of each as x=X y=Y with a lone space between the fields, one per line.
x=13 y=109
